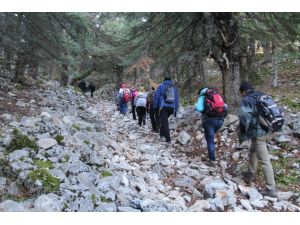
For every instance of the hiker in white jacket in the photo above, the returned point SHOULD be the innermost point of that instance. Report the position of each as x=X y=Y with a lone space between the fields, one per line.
x=140 y=102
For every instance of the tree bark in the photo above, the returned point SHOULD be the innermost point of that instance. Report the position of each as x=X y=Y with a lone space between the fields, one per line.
x=267 y=52
x=231 y=83
x=20 y=68
x=274 y=68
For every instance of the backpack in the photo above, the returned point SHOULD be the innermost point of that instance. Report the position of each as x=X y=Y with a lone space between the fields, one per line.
x=169 y=94
x=269 y=114
x=126 y=95
x=214 y=104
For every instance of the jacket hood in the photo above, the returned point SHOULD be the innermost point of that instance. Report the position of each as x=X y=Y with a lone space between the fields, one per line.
x=168 y=82
x=203 y=91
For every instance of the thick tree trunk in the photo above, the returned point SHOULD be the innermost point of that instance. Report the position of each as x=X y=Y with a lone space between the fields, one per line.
x=231 y=83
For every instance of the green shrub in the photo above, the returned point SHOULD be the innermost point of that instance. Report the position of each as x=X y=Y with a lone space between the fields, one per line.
x=20 y=141
x=43 y=164
x=76 y=127
x=49 y=182
x=106 y=174
x=59 y=138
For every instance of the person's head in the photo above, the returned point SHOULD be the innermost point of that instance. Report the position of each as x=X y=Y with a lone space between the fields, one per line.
x=142 y=89
x=245 y=88
x=167 y=78
x=152 y=88
x=122 y=86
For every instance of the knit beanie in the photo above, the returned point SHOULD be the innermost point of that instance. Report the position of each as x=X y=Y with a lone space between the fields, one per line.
x=245 y=86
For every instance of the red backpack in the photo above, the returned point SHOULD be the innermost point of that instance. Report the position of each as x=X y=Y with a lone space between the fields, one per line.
x=215 y=106
x=126 y=95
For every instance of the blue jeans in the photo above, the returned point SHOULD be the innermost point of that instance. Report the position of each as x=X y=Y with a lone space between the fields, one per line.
x=123 y=107
x=211 y=126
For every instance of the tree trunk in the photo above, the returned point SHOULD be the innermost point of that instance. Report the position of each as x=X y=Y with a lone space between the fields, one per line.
x=243 y=67
x=20 y=68
x=274 y=68
x=64 y=75
x=34 y=69
x=231 y=83
x=267 y=52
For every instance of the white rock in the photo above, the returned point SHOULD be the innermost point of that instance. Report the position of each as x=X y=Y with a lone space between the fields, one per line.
x=46 y=143
x=183 y=137
x=48 y=203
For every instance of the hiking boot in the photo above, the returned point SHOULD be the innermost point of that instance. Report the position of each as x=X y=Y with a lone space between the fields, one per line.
x=248 y=177
x=270 y=192
x=211 y=163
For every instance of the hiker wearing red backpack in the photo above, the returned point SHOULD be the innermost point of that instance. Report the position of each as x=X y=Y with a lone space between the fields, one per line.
x=213 y=109
x=124 y=96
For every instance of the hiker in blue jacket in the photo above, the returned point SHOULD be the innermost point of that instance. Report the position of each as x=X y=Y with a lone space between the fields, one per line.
x=166 y=108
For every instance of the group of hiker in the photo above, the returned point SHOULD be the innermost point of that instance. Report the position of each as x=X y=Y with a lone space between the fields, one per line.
x=259 y=118
x=162 y=101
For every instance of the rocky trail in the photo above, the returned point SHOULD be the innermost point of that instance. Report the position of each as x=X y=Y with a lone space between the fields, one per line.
x=80 y=154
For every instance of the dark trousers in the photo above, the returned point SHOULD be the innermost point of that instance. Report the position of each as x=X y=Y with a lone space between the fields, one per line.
x=164 y=122
x=157 y=120
x=141 y=113
x=211 y=126
x=152 y=117
x=133 y=110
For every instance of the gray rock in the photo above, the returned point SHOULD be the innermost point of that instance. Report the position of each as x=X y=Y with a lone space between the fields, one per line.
x=183 y=137
x=258 y=203
x=11 y=206
x=18 y=154
x=227 y=196
x=246 y=204
x=28 y=121
x=20 y=103
x=250 y=192
x=184 y=181
x=200 y=206
x=2 y=183
x=284 y=195
x=211 y=185
x=46 y=143
x=217 y=204
x=81 y=205
x=48 y=203
x=286 y=206
x=7 y=117
x=128 y=209
x=106 y=207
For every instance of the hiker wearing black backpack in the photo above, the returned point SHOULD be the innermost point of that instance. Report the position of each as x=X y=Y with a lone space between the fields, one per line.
x=213 y=109
x=251 y=129
x=166 y=102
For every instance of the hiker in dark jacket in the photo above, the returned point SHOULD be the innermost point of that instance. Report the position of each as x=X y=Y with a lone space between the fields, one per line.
x=250 y=129
x=82 y=86
x=92 y=88
x=151 y=111
x=211 y=124
x=165 y=109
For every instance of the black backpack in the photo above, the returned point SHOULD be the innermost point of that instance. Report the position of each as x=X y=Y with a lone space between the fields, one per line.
x=270 y=116
x=169 y=94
